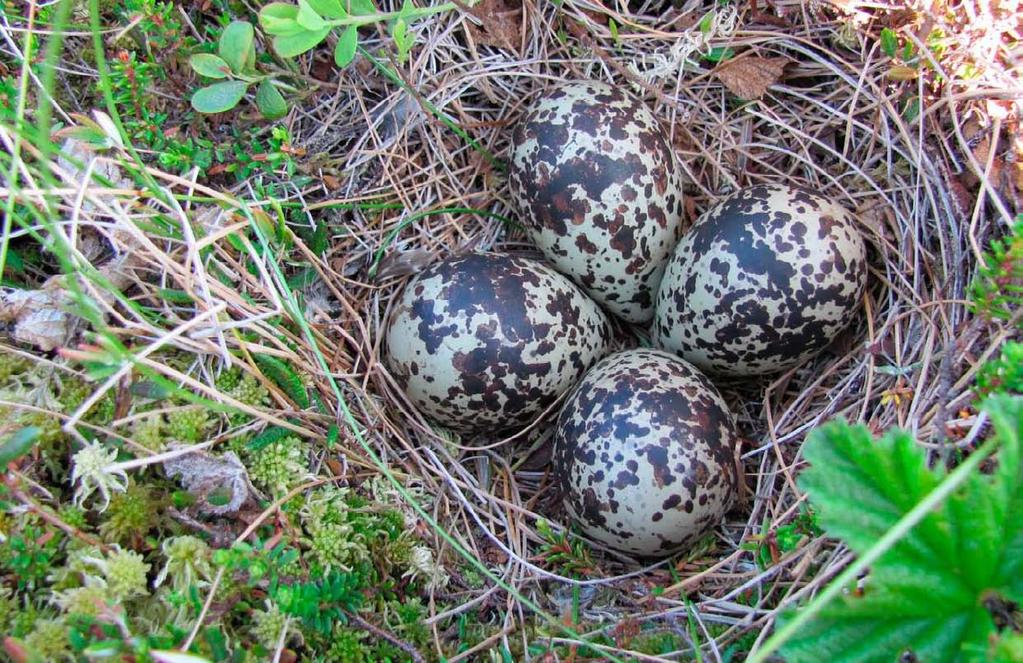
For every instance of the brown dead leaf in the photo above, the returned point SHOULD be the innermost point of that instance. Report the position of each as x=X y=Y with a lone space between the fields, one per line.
x=749 y=78
x=501 y=23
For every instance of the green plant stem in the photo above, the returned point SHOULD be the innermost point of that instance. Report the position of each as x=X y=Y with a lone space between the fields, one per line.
x=408 y=15
x=12 y=174
x=899 y=530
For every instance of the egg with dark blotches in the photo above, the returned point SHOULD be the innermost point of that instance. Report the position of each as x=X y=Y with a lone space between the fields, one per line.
x=764 y=280
x=486 y=341
x=644 y=453
x=594 y=177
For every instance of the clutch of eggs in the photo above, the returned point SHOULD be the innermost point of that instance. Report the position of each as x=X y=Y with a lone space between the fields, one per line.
x=764 y=280
x=644 y=453
x=594 y=177
x=487 y=341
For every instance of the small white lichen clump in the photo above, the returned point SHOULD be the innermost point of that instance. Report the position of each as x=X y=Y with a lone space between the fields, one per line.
x=95 y=469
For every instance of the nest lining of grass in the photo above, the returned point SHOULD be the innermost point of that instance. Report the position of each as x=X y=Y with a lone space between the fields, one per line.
x=835 y=123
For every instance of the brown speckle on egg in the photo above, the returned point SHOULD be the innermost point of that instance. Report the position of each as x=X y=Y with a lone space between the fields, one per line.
x=595 y=178
x=644 y=453
x=764 y=280
x=487 y=341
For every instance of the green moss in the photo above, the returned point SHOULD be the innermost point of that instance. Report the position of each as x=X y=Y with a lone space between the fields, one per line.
x=188 y=424
x=150 y=432
x=267 y=625
x=74 y=391
x=48 y=641
x=251 y=392
x=87 y=601
x=12 y=364
x=280 y=466
x=125 y=574
x=348 y=646
x=131 y=514
x=228 y=380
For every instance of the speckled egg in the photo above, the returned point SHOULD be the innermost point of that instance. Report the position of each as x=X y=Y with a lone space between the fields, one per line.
x=594 y=177
x=764 y=280
x=644 y=452
x=487 y=341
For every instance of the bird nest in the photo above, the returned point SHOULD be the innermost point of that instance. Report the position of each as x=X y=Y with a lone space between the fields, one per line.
x=921 y=142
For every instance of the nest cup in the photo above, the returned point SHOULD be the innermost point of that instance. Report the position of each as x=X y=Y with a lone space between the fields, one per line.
x=827 y=120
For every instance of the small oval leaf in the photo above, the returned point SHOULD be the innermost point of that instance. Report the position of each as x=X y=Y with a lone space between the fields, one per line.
x=328 y=8
x=219 y=97
x=279 y=18
x=269 y=101
x=18 y=444
x=308 y=18
x=361 y=7
x=344 y=52
x=235 y=44
x=209 y=65
x=288 y=46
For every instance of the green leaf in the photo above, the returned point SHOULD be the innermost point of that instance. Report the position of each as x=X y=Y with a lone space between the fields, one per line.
x=889 y=42
x=284 y=377
x=269 y=101
x=268 y=437
x=1007 y=416
x=719 y=54
x=219 y=97
x=328 y=8
x=399 y=33
x=360 y=7
x=289 y=46
x=279 y=18
x=19 y=444
x=344 y=52
x=209 y=65
x=308 y=18
x=235 y=43
x=927 y=593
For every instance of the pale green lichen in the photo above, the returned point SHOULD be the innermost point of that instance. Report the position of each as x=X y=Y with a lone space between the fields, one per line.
x=94 y=471
x=90 y=601
x=188 y=563
x=332 y=540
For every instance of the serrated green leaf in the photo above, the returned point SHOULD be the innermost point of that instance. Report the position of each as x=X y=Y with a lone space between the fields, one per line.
x=269 y=101
x=209 y=65
x=1006 y=414
x=235 y=43
x=889 y=42
x=289 y=46
x=219 y=97
x=328 y=8
x=308 y=18
x=281 y=374
x=19 y=444
x=926 y=594
x=268 y=437
x=347 y=43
